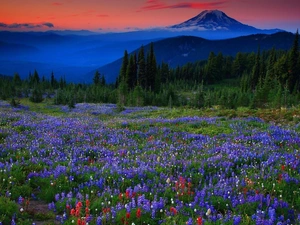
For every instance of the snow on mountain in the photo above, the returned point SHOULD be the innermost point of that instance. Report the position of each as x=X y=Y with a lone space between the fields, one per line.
x=213 y=20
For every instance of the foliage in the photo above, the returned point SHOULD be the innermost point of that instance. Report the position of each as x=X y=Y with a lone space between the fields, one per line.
x=151 y=165
x=7 y=209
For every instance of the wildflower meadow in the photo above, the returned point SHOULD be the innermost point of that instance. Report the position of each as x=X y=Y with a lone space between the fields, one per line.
x=144 y=165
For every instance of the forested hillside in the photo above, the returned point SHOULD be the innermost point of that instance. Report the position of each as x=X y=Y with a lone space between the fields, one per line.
x=258 y=79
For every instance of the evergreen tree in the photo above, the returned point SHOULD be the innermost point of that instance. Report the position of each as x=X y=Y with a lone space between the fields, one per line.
x=220 y=66
x=141 y=73
x=157 y=82
x=165 y=73
x=131 y=73
x=281 y=70
x=17 y=80
x=227 y=67
x=122 y=76
x=103 y=81
x=271 y=62
x=200 y=97
x=122 y=93
x=52 y=80
x=256 y=70
x=151 y=68
x=239 y=65
x=35 y=78
x=138 y=96
x=245 y=83
x=293 y=66
x=211 y=70
x=61 y=83
x=96 y=78
x=36 y=95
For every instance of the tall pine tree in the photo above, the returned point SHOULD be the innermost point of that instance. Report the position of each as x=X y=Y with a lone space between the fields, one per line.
x=96 y=78
x=141 y=68
x=151 y=68
x=131 y=73
x=123 y=71
x=256 y=70
x=293 y=65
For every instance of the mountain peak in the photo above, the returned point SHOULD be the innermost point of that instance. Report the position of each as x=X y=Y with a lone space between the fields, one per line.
x=215 y=12
x=212 y=20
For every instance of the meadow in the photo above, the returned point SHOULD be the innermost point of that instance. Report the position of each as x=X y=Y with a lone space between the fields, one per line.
x=147 y=165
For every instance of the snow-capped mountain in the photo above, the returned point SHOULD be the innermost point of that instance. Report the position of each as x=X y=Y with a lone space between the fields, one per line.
x=215 y=20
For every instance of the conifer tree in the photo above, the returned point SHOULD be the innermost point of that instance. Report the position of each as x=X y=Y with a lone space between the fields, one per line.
x=131 y=73
x=293 y=65
x=281 y=70
x=256 y=70
x=96 y=78
x=141 y=67
x=123 y=71
x=53 y=81
x=122 y=93
x=151 y=69
x=165 y=72
x=17 y=80
x=238 y=65
x=138 y=96
x=103 y=81
x=36 y=95
x=157 y=82
x=36 y=78
x=271 y=62
x=211 y=71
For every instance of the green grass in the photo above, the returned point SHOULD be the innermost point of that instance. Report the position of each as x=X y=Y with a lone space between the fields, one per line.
x=45 y=107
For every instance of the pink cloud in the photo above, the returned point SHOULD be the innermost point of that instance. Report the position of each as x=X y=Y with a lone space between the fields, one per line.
x=156 y=5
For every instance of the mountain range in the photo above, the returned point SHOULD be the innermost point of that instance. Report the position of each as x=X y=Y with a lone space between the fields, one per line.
x=178 y=51
x=77 y=54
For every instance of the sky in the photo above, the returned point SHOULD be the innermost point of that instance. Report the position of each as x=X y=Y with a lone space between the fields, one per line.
x=124 y=15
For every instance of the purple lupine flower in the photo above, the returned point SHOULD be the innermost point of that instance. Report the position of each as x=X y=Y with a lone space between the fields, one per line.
x=153 y=213
x=272 y=215
x=237 y=220
x=20 y=200
x=190 y=221
x=57 y=197
x=99 y=221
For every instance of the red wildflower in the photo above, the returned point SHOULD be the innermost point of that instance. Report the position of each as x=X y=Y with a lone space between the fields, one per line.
x=173 y=210
x=87 y=203
x=106 y=210
x=120 y=196
x=282 y=167
x=199 y=220
x=127 y=215
x=138 y=213
x=127 y=194
x=72 y=212
x=77 y=213
x=79 y=205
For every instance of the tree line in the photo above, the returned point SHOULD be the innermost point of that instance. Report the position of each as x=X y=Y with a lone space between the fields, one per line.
x=258 y=79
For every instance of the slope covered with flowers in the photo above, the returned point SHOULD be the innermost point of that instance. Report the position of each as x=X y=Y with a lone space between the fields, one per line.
x=93 y=165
